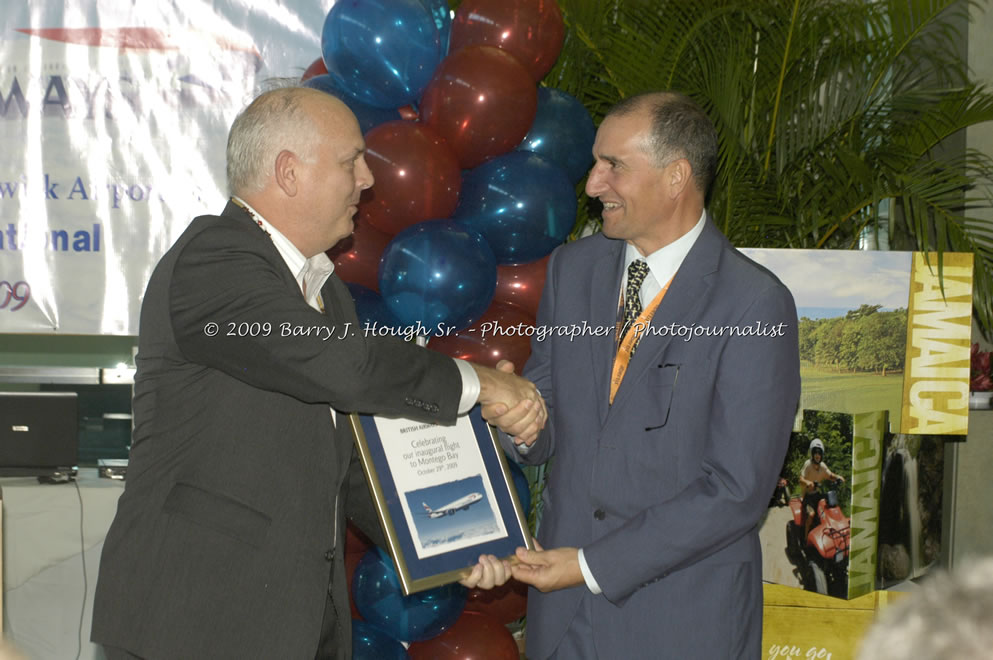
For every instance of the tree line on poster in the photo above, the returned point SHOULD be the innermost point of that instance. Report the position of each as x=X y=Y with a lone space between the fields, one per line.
x=863 y=340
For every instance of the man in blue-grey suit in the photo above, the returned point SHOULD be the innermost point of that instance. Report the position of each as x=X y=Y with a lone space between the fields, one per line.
x=671 y=373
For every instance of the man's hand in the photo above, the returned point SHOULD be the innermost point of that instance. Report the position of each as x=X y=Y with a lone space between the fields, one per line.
x=548 y=570
x=510 y=402
x=488 y=573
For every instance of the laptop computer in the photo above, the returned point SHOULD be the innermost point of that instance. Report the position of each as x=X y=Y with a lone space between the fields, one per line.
x=39 y=433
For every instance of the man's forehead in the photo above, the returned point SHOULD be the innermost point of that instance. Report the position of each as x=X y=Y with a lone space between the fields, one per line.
x=619 y=129
x=338 y=125
x=621 y=142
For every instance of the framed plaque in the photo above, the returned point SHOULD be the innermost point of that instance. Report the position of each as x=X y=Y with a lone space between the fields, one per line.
x=444 y=494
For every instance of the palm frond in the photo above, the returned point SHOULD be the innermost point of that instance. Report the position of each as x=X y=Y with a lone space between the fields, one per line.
x=825 y=109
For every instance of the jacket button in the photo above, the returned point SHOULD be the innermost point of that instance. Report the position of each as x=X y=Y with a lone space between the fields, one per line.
x=599 y=514
x=329 y=555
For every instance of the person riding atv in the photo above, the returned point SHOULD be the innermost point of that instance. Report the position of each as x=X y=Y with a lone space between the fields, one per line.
x=814 y=471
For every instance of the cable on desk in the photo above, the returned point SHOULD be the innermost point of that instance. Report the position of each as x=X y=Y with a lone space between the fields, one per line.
x=82 y=557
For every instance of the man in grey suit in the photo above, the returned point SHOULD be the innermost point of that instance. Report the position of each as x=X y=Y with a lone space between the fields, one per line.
x=666 y=450
x=228 y=539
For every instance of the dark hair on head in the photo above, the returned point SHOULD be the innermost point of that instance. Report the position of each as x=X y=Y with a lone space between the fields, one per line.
x=680 y=129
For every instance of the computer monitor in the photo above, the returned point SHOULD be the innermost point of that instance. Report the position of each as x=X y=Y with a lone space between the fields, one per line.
x=39 y=433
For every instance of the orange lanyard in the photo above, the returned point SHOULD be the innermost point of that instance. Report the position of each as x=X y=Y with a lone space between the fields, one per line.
x=623 y=357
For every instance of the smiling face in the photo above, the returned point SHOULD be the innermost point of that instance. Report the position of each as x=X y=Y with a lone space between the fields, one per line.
x=638 y=197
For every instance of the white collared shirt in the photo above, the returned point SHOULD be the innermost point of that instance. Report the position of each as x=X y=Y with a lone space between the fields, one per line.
x=663 y=263
x=311 y=275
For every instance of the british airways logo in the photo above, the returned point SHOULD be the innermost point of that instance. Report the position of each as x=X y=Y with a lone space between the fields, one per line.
x=89 y=73
x=137 y=38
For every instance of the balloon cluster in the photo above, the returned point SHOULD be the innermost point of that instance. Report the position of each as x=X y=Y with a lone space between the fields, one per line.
x=475 y=168
x=445 y=623
x=475 y=164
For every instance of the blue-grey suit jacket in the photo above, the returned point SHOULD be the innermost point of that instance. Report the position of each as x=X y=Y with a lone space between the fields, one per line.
x=664 y=489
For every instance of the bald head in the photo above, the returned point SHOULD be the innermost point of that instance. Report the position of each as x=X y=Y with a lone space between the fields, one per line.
x=297 y=156
x=290 y=118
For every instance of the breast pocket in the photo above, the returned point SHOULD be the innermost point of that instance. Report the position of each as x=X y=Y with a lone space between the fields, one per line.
x=660 y=385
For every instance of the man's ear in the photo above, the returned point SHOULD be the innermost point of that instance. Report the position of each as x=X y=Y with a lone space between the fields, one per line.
x=680 y=174
x=286 y=172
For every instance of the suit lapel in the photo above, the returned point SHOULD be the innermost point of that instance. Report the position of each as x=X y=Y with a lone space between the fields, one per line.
x=681 y=305
x=605 y=286
x=333 y=293
x=239 y=214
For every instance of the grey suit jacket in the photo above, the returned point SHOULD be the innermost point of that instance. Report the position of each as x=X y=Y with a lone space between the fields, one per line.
x=664 y=488
x=227 y=539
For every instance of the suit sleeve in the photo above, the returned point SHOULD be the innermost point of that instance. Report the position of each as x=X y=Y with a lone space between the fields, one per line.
x=538 y=370
x=749 y=419
x=224 y=278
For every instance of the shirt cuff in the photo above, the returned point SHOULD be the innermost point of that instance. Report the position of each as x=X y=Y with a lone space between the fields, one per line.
x=470 y=386
x=522 y=448
x=591 y=582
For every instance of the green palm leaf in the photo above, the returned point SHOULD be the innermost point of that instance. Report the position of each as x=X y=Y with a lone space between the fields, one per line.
x=825 y=110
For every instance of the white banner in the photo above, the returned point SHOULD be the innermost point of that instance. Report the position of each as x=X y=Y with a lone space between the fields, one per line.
x=113 y=124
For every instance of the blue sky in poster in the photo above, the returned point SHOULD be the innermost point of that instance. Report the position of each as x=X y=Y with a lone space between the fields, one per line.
x=828 y=283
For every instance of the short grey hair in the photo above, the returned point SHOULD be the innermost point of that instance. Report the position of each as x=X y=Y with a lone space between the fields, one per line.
x=948 y=616
x=680 y=129
x=275 y=120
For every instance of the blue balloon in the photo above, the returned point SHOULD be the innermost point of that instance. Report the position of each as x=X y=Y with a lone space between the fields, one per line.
x=522 y=204
x=442 y=16
x=383 y=52
x=371 y=308
x=379 y=599
x=369 y=117
x=521 y=485
x=437 y=274
x=562 y=131
x=371 y=643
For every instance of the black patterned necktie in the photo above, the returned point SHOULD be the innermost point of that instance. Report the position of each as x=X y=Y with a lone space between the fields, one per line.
x=637 y=270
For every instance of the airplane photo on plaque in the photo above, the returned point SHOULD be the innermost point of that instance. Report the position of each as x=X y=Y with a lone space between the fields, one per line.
x=444 y=495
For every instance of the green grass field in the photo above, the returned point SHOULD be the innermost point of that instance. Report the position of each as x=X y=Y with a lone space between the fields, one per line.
x=824 y=389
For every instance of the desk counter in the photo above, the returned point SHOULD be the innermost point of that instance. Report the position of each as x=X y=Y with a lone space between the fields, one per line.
x=52 y=538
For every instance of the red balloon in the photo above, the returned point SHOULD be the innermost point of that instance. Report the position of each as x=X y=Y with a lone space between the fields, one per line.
x=522 y=284
x=530 y=30
x=417 y=175
x=473 y=636
x=355 y=540
x=316 y=68
x=503 y=333
x=482 y=101
x=506 y=603
x=356 y=258
x=409 y=113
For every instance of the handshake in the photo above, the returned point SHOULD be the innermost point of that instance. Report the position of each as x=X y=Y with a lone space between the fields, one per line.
x=515 y=406
x=511 y=403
